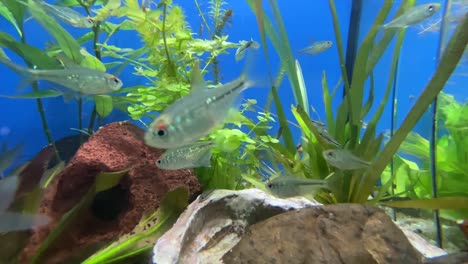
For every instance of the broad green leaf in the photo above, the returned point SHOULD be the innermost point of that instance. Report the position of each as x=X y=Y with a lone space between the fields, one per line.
x=34 y=95
x=67 y=42
x=327 y=102
x=104 y=105
x=30 y=54
x=107 y=180
x=5 y=12
x=434 y=203
x=142 y=238
x=17 y=10
x=91 y=62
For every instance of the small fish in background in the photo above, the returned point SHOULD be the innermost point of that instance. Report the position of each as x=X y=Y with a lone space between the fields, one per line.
x=317 y=47
x=190 y=156
x=344 y=159
x=197 y=114
x=78 y=79
x=290 y=186
x=322 y=128
x=285 y=186
x=240 y=52
x=13 y=221
x=413 y=16
x=63 y=13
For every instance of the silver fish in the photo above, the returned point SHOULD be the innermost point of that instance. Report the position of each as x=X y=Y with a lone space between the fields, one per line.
x=12 y=221
x=344 y=159
x=322 y=129
x=240 y=52
x=190 y=156
x=413 y=16
x=289 y=186
x=78 y=79
x=63 y=13
x=196 y=114
x=317 y=47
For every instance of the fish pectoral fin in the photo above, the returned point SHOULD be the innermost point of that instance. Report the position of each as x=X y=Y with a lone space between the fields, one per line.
x=205 y=159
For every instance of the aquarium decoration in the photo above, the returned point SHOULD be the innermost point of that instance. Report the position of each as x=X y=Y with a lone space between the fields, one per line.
x=246 y=145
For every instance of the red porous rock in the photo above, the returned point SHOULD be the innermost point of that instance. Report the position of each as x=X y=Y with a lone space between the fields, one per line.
x=114 y=147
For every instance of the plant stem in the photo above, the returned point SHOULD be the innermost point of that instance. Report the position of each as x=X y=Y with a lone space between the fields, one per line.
x=171 y=66
x=40 y=107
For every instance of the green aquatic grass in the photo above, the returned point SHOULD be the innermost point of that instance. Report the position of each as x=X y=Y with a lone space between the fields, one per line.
x=447 y=65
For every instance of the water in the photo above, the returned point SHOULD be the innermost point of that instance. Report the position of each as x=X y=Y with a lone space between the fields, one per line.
x=305 y=22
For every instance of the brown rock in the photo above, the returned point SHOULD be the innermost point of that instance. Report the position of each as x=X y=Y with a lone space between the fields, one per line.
x=346 y=233
x=114 y=147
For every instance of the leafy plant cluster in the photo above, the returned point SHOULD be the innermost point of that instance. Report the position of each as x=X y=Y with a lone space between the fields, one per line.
x=414 y=181
x=165 y=60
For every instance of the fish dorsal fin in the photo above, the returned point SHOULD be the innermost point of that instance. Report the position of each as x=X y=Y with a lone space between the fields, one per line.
x=197 y=83
x=66 y=62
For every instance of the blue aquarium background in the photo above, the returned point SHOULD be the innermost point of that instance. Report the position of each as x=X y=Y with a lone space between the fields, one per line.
x=306 y=22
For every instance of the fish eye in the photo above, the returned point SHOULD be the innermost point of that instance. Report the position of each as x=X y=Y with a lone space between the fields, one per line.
x=161 y=132
x=90 y=20
x=116 y=80
x=158 y=161
x=269 y=185
x=431 y=8
x=330 y=154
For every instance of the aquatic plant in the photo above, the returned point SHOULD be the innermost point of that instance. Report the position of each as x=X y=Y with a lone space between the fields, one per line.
x=352 y=186
x=413 y=181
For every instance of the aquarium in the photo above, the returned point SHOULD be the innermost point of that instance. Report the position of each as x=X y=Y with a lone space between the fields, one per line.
x=117 y=116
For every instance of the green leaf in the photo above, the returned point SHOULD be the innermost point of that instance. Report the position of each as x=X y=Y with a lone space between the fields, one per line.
x=104 y=105
x=327 y=102
x=107 y=181
x=5 y=12
x=434 y=203
x=67 y=42
x=30 y=54
x=143 y=236
x=16 y=9
x=34 y=95
x=91 y=62
x=452 y=55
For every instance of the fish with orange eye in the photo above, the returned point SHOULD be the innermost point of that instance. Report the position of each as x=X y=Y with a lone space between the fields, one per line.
x=197 y=114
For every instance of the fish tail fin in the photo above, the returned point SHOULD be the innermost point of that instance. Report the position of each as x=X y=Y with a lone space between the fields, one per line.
x=253 y=75
x=205 y=159
x=24 y=72
x=12 y=221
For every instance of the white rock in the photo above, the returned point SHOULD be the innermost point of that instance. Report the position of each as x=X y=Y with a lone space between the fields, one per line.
x=214 y=223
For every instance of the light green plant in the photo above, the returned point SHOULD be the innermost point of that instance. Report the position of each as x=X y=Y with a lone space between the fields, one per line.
x=414 y=181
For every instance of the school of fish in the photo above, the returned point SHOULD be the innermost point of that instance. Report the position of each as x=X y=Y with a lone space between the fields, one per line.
x=179 y=128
